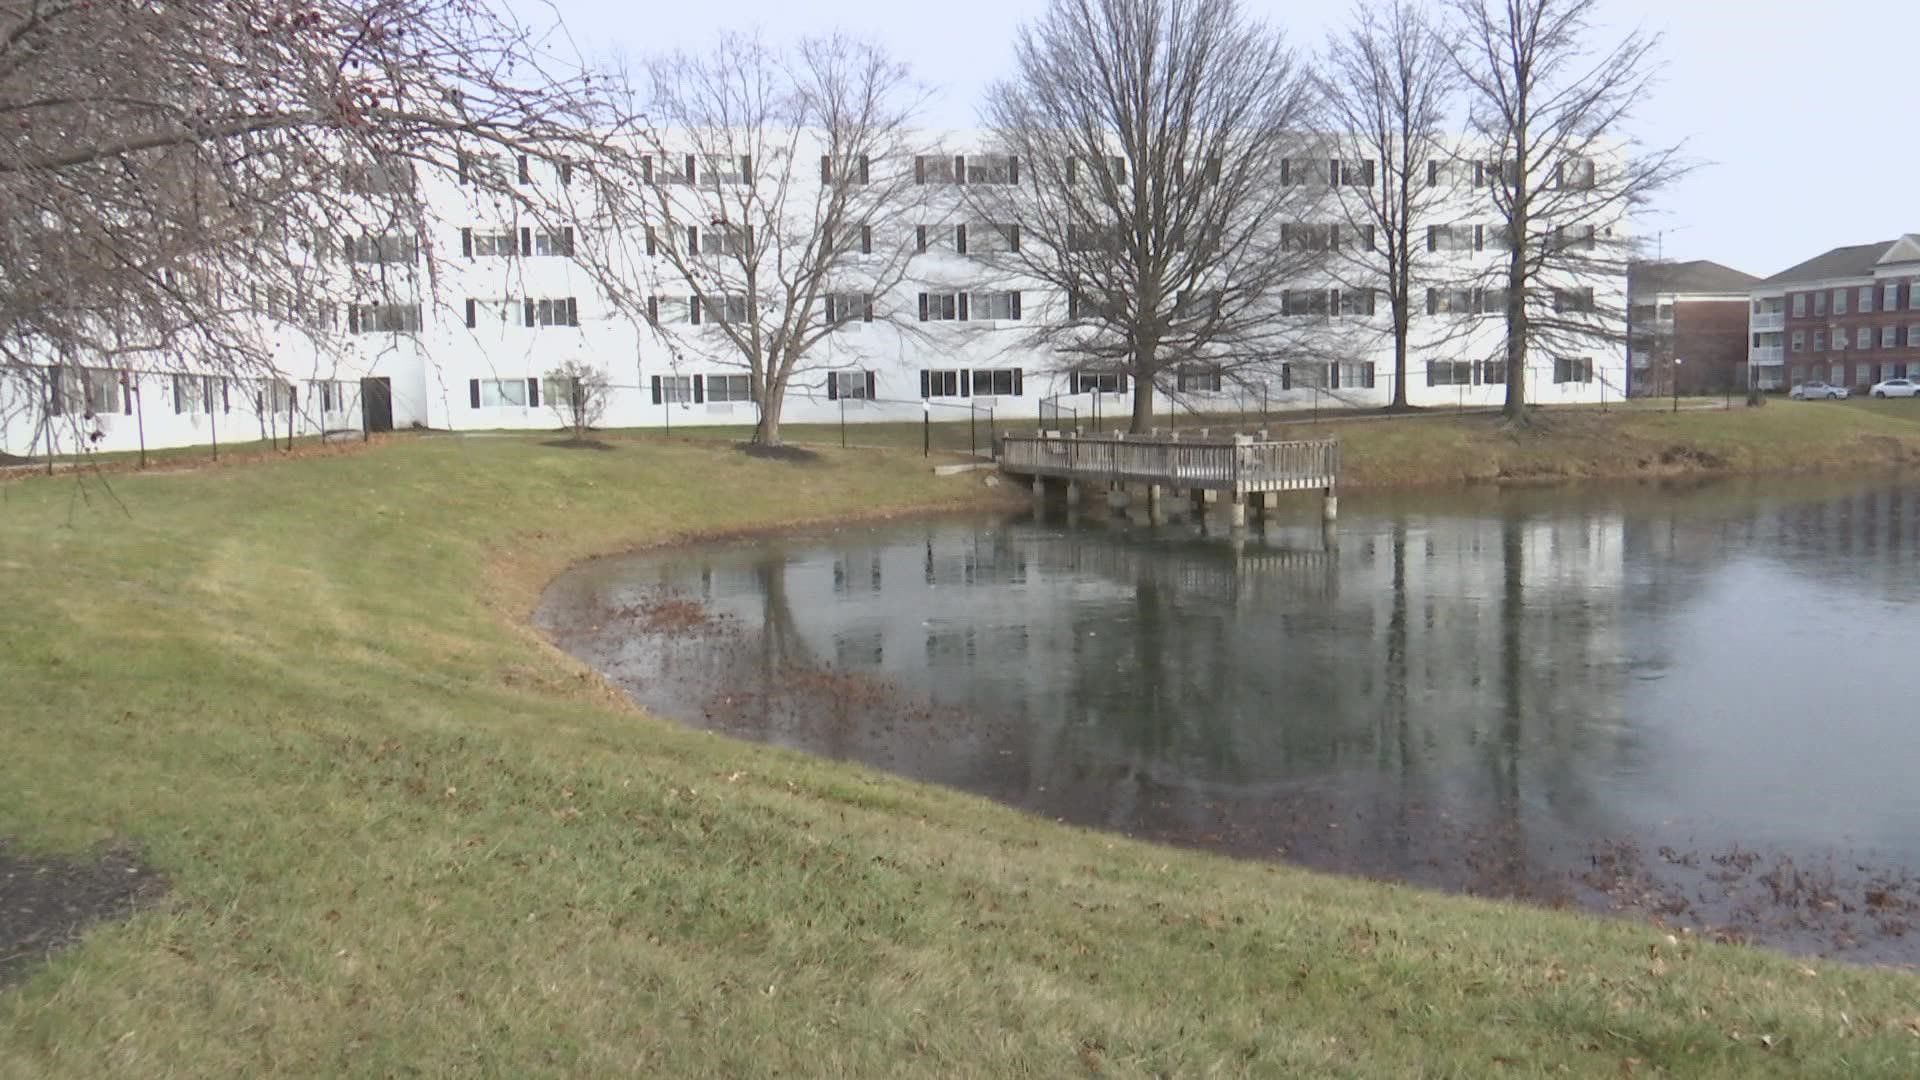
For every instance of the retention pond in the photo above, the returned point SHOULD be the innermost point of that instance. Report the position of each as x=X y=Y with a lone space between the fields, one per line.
x=1699 y=705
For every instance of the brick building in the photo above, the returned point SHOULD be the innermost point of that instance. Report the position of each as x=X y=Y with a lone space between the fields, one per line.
x=1850 y=317
x=1693 y=312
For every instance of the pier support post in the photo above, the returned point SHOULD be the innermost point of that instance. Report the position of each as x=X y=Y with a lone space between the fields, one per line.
x=1118 y=497
x=1039 y=489
x=1073 y=493
x=1237 y=510
x=1330 y=507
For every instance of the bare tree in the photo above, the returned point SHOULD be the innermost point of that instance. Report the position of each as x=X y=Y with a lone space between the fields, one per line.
x=1549 y=107
x=577 y=392
x=1385 y=84
x=771 y=179
x=1151 y=140
x=203 y=187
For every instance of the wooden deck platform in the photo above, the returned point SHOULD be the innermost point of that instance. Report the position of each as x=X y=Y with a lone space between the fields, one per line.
x=1242 y=465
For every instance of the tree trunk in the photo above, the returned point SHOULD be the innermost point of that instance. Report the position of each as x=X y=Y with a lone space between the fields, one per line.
x=766 y=431
x=1142 y=406
x=1400 y=328
x=1517 y=329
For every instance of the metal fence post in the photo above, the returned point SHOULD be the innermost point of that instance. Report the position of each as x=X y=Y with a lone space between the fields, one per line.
x=973 y=442
x=213 y=427
x=843 y=421
x=139 y=417
x=926 y=428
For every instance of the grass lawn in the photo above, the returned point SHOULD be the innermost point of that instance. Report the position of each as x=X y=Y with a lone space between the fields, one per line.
x=404 y=836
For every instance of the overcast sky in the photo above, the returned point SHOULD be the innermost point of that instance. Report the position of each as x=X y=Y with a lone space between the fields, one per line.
x=1805 y=123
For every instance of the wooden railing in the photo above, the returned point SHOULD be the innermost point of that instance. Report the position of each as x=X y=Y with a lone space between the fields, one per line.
x=1239 y=465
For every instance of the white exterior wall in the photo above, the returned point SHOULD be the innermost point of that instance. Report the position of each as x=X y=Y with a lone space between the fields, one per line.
x=432 y=373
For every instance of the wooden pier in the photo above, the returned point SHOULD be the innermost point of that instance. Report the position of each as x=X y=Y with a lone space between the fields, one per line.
x=1130 y=467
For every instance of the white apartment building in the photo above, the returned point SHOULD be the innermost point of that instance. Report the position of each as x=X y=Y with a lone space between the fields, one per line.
x=490 y=304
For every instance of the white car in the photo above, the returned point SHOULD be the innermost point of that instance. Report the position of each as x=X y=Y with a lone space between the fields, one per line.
x=1896 y=388
x=1819 y=391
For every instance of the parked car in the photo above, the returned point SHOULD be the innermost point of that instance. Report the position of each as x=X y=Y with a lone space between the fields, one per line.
x=1819 y=391
x=1896 y=388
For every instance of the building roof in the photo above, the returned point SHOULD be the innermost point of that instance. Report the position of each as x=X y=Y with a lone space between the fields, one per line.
x=1698 y=276
x=1853 y=261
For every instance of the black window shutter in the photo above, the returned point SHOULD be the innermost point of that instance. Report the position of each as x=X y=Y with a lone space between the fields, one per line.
x=473 y=319
x=959 y=169
x=919 y=170
x=566 y=241
x=652 y=242
x=1013 y=169
x=473 y=392
x=526 y=177
x=533 y=393
x=920 y=238
x=353 y=318
x=749 y=251
x=925 y=389
x=963 y=307
x=965 y=379
x=690 y=173
x=1369 y=375
x=866 y=307
x=1016 y=303
x=1013 y=238
x=656 y=389
x=826 y=177
x=653 y=310
x=866 y=239
x=646 y=168
x=866 y=165
x=693 y=239
x=923 y=313
x=746 y=168
x=1479 y=238
x=466 y=242
x=960 y=239
x=465 y=173
x=1018 y=382
x=1073 y=169
x=1286 y=377
x=573 y=311
x=1433 y=173
x=693 y=309
x=699 y=389
x=1286 y=171
x=1073 y=382
x=870 y=385
x=1123 y=385
x=526 y=240
x=833 y=386
x=1333 y=376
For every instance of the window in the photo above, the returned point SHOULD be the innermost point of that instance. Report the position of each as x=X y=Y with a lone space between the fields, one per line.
x=502 y=243
x=720 y=239
x=1207 y=172
x=383 y=318
x=1820 y=303
x=1450 y=302
x=1455 y=237
x=1354 y=303
x=672 y=389
x=993 y=238
x=935 y=384
x=1799 y=374
x=1839 y=340
x=1839 y=301
x=1913 y=295
x=274 y=396
x=728 y=388
x=498 y=393
x=1799 y=341
x=1863 y=338
x=1190 y=379
x=1862 y=374
x=502 y=310
x=668 y=169
x=483 y=169
x=1298 y=172
x=997 y=382
x=845 y=169
x=1449 y=373
x=727 y=169
x=550 y=242
x=996 y=305
x=331 y=394
x=1865 y=301
x=90 y=391
x=1203 y=304
x=1093 y=238
x=931 y=169
x=942 y=307
x=1492 y=301
x=854 y=238
x=855 y=385
x=725 y=308
x=843 y=308
x=1097 y=382
x=1819 y=341
x=1573 y=369
x=1491 y=372
x=1575 y=173
x=1312 y=302
x=1489 y=173
x=993 y=169
x=1354 y=375
x=1573 y=301
x=556 y=311
x=1112 y=168
x=1839 y=375
x=1799 y=305
x=1355 y=173
x=387 y=248
x=382 y=175
x=1913 y=336
x=1889 y=337
x=1890 y=298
